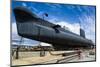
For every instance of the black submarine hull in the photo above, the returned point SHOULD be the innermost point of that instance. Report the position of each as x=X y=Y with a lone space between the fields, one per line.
x=31 y=26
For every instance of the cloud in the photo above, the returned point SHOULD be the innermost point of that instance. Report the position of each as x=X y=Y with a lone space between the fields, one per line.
x=33 y=8
x=79 y=9
x=88 y=24
x=24 y=4
x=14 y=28
x=71 y=7
x=14 y=32
x=75 y=27
x=54 y=5
x=45 y=44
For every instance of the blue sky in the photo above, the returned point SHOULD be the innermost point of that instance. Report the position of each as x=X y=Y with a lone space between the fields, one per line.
x=64 y=14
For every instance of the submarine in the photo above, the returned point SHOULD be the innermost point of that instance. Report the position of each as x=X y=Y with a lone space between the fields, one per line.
x=31 y=26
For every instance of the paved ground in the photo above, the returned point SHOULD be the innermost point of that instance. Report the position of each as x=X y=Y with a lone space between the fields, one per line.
x=52 y=59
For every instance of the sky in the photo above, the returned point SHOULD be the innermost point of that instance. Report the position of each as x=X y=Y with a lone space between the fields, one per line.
x=71 y=16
